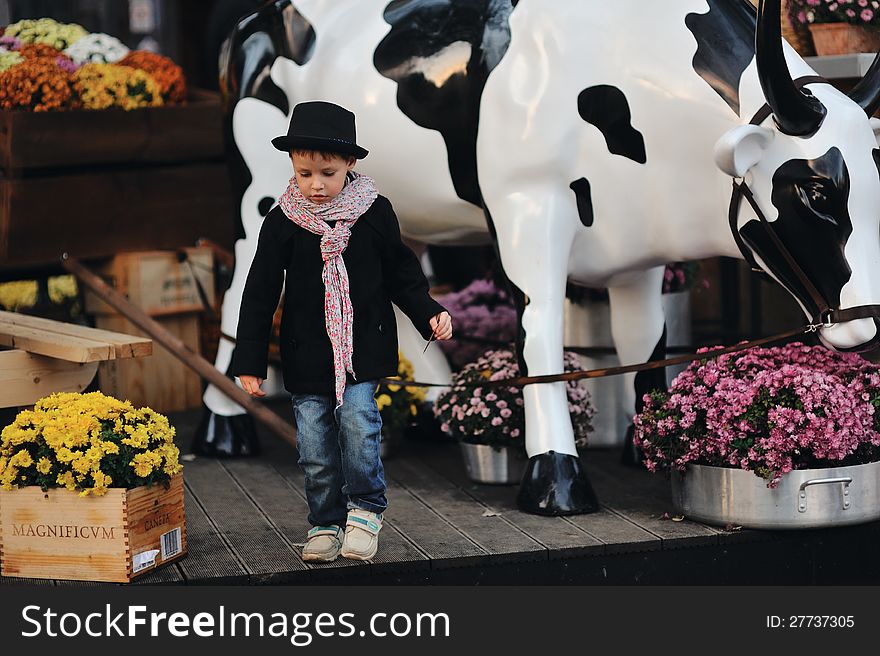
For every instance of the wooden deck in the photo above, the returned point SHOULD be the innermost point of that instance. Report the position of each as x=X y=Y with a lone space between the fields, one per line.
x=246 y=521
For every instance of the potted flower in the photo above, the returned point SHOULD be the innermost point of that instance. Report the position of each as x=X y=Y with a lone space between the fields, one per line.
x=840 y=26
x=489 y=420
x=782 y=437
x=92 y=467
x=482 y=310
x=399 y=407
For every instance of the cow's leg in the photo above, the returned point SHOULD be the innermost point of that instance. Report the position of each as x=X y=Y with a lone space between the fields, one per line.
x=638 y=328
x=534 y=248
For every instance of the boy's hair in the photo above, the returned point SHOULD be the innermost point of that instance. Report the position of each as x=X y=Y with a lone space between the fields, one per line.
x=326 y=154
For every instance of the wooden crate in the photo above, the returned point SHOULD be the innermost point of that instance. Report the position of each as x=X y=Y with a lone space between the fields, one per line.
x=176 y=133
x=59 y=535
x=97 y=183
x=99 y=213
x=157 y=282
x=161 y=381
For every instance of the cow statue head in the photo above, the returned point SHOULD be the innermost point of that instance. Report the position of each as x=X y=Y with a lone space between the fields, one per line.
x=810 y=161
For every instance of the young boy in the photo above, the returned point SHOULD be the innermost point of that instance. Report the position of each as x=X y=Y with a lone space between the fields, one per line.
x=338 y=241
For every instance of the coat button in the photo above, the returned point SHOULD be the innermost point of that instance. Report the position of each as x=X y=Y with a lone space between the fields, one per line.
x=293 y=343
x=382 y=328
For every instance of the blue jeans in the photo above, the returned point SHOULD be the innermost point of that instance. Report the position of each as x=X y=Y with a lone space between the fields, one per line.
x=339 y=453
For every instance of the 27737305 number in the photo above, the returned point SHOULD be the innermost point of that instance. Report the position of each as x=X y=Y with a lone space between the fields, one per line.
x=811 y=621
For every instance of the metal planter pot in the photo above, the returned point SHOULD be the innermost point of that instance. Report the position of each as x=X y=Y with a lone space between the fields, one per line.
x=807 y=498
x=495 y=465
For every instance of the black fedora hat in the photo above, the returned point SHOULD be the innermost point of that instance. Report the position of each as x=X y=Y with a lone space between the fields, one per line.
x=322 y=126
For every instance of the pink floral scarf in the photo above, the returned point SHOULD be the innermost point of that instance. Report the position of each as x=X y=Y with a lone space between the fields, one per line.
x=355 y=198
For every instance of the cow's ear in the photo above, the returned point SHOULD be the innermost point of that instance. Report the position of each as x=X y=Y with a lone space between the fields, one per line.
x=875 y=126
x=741 y=148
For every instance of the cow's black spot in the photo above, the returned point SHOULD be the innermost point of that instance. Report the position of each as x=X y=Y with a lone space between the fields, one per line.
x=725 y=45
x=276 y=30
x=814 y=225
x=265 y=205
x=876 y=154
x=606 y=107
x=440 y=53
x=581 y=189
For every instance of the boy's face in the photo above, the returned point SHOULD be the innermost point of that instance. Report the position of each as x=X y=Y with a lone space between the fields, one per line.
x=320 y=178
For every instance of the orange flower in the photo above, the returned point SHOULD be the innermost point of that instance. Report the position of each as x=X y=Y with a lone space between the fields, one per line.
x=34 y=50
x=168 y=74
x=36 y=84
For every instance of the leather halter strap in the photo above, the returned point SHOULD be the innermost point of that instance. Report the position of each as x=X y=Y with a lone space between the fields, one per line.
x=826 y=315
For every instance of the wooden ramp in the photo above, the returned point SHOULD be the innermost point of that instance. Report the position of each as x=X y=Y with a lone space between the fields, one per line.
x=246 y=521
x=46 y=356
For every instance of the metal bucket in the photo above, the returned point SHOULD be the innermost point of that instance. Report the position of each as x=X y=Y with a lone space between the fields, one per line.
x=806 y=498
x=497 y=465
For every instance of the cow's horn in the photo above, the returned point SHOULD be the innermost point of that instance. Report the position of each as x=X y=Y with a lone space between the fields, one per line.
x=796 y=113
x=867 y=91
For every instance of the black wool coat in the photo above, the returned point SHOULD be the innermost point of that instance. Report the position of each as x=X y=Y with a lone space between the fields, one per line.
x=381 y=270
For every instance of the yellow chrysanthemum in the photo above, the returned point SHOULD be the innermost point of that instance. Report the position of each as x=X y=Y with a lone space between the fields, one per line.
x=383 y=400
x=101 y=86
x=75 y=428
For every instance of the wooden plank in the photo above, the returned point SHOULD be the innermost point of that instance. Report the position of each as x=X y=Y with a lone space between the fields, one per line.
x=494 y=533
x=267 y=556
x=635 y=495
x=125 y=346
x=210 y=559
x=279 y=502
x=396 y=552
x=442 y=542
x=617 y=533
x=156 y=208
x=153 y=134
x=17 y=580
x=25 y=378
x=562 y=539
x=166 y=575
x=161 y=381
x=63 y=347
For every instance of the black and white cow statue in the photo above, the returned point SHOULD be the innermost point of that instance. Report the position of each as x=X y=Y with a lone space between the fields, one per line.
x=592 y=142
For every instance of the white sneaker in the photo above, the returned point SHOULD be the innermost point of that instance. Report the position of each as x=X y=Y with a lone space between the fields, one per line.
x=361 y=534
x=323 y=544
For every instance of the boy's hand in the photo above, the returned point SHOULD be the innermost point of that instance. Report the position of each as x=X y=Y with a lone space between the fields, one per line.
x=441 y=325
x=251 y=385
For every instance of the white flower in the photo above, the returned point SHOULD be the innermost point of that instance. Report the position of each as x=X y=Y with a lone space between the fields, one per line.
x=97 y=48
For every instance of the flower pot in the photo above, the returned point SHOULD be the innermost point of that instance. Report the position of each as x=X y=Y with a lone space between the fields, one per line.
x=496 y=465
x=843 y=38
x=59 y=535
x=806 y=498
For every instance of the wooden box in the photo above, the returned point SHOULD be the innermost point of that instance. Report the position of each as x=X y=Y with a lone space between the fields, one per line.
x=158 y=282
x=52 y=140
x=94 y=213
x=97 y=183
x=59 y=535
x=160 y=381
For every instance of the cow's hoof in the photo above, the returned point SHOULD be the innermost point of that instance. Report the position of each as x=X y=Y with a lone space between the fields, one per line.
x=632 y=455
x=223 y=437
x=556 y=484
